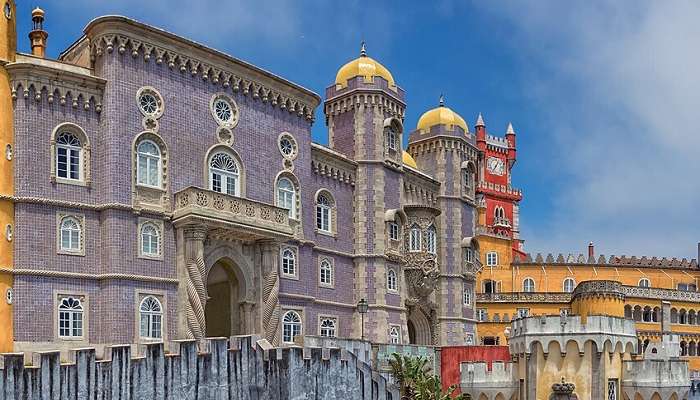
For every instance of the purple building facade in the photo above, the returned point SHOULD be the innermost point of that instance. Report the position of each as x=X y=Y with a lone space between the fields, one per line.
x=164 y=190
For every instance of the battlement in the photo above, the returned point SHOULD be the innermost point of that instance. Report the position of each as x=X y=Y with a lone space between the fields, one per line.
x=496 y=188
x=497 y=141
x=648 y=376
x=476 y=379
x=613 y=261
x=214 y=368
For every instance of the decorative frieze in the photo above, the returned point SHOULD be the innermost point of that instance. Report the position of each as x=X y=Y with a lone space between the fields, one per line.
x=328 y=163
x=523 y=297
x=367 y=98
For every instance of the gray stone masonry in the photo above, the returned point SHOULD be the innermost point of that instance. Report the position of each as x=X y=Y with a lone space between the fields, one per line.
x=245 y=370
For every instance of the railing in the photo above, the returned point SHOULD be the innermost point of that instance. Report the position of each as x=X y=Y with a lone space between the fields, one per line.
x=524 y=297
x=502 y=222
x=661 y=294
x=214 y=207
x=483 y=185
x=483 y=230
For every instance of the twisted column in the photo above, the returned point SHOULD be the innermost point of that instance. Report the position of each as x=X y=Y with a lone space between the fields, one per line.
x=196 y=287
x=270 y=291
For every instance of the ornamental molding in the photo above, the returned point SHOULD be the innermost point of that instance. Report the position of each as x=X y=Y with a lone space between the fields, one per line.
x=126 y=36
x=445 y=143
x=328 y=163
x=524 y=297
x=78 y=205
x=369 y=98
x=77 y=275
x=52 y=83
x=661 y=294
x=601 y=288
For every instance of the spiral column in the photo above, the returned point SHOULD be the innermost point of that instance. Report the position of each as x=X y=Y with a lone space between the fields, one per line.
x=271 y=309
x=195 y=285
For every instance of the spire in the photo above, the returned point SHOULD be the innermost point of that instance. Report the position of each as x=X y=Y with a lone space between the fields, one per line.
x=480 y=121
x=363 y=50
x=510 y=130
x=442 y=100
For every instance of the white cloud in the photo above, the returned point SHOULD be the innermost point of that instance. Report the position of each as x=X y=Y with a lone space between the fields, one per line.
x=618 y=92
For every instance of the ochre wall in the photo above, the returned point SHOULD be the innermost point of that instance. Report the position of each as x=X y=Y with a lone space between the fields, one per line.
x=8 y=43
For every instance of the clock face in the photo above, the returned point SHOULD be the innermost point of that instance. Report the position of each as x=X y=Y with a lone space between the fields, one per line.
x=495 y=166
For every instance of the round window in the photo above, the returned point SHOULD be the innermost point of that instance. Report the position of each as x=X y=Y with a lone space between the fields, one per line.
x=223 y=111
x=7 y=10
x=287 y=146
x=148 y=103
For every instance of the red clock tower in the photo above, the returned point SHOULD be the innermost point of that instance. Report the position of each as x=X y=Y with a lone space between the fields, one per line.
x=498 y=200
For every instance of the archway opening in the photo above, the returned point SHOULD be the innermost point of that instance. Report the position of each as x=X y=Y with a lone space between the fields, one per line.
x=419 y=329
x=222 y=311
x=411 y=332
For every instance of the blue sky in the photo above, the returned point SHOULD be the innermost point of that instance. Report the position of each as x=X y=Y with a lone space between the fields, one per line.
x=604 y=96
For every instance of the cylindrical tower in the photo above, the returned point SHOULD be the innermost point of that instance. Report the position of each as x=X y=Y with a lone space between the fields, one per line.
x=598 y=298
x=8 y=48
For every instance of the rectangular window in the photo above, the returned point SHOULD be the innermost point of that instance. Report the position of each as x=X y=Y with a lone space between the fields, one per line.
x=491 y=259
x=415 y=239
x=70 y=317
x=481 y=315
x=393 y=231
x=523 y=312
x=469 y=339
x=216 y=182
x=612 y=389
x=467 y=296
x=469 y=255
x=490 y=341
x=327 y=326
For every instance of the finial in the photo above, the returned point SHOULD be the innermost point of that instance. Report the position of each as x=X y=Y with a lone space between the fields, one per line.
x=363 y=50
x=442 y=100
x=510 y=130
x=480 y=121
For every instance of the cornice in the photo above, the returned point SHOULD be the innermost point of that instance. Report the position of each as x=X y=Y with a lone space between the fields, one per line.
x=365 y=97
x=78 y=275
x=125 y=35
x=329 y=163
x=82 y=206
x=53 y=81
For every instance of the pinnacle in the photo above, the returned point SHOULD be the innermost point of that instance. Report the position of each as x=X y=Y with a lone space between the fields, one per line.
x=510 y=130
x=480 y=121
x=363 y=50
x=442 y=100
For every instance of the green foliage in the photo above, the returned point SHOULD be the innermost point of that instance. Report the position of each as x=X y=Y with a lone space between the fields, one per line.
x=416 y=381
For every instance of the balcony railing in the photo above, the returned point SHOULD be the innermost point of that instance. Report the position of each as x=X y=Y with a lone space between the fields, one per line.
x=524 y=297
x=501 y=222
x=219 y=209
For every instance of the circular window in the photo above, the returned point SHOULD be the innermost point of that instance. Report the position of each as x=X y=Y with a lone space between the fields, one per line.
x=9 y=295
x=287 y=146
x=7 y=10
x=150 y=102
x=224 y=110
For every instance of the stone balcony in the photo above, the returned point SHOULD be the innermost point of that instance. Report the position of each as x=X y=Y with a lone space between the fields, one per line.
x=247 y=217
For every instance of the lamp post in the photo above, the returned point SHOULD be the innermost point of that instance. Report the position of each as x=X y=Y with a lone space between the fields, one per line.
x=362 y=307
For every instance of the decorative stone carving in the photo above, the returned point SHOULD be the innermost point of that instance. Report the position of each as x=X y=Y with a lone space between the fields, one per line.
x=421 y=273
x=563 y=391
x=196 y=288
x=270 y=292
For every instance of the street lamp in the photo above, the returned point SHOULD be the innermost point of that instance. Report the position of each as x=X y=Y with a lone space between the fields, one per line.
x=362 y=307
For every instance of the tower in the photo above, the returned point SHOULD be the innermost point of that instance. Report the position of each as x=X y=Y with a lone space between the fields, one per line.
x=8 y=48
x=364 y=113
x=444 y=149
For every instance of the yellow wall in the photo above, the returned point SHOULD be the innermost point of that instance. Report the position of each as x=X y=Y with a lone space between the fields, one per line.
x=8 y=43
x=502 y=272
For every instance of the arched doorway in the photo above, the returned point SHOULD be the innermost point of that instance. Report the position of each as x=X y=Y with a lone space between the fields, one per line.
x=419 y=330
x=222 y=311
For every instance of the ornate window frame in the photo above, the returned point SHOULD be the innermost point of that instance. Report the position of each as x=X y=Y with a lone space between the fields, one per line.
x=296 y=212
x=147 y=196
x=468 y=179
x=392 y=288
x=332 y=213
x=467 y=296
x=295 y=252
x=300 y=313
x=336 y=328
x=294 y=146
x=80 y=218
x=150 y=90
x=331 y=265
x=85 y=178
x=394 y=334
x=160 y=297
x=235 y=111
x=415 y=238
x=393 y=146
x=431 y=234
x=220 y=148
x=58 y=295
x=158 y=224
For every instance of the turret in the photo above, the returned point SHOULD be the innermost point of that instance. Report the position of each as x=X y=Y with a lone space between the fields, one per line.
x=38 y=35
x=480 y=129
x=510 y=138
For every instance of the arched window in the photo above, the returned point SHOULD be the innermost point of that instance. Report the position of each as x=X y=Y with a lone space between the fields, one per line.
x=224 y=174
x=326 y=272
x=394 y=334
x=68 y=156
x=414 y=240
x=148 y=164
x=286 y=196
x=431 y=240
x=289 y=259
x=392 y=139
x=150 y=240
x=71 y=233
x=467 y=295
x=324 y=216
x=151 y=315
x=70 y=318
x=468 y=178
x=327 y=327
x=491 y=259
x=528 y=285
x=644 y=282
x=646 y=314
x=291 y=326
x=391 y=281
x=569 y=285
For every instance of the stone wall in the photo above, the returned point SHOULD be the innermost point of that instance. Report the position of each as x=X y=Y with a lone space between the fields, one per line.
x=211 y=370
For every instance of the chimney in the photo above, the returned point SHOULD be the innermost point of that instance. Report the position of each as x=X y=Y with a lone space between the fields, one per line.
x=591 y=250
x=38 y=35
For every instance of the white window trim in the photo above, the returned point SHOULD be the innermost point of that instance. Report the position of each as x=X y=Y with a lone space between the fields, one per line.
x=488 y=259
x=225 y=174
x=294 y=250
x=398 y=231
x=295 y=211
x=563 y=285
x=80 y=218
x=419 y=239
x=139 y=295
x=331 y=208
x=160 y=228
x=161 y=314
x=335 y=319
x=300 y=313
x=57 y=296
x=159 y=164
x=397 y=329
x=431 y=239
x=466 y=295
x=639 y=284
x=331 y=262
x=84 y=172
x=396 y=275
x=534 y=285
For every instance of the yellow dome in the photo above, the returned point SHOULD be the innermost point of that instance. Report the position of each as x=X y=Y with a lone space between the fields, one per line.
x=363 y=66
x=408 y=160
x=441 y=115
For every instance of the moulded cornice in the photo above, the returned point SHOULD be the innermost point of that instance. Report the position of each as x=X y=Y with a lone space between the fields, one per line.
x=126 y=36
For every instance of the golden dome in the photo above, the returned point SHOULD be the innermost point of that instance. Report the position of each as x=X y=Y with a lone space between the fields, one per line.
x=363 y=66
x=37 y=12
x=441 y=115
x=408 y=160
